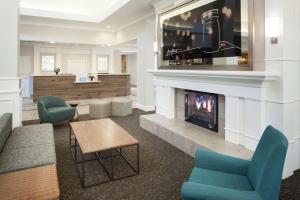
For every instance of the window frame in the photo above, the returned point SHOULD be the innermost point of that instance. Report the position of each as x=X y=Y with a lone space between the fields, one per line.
x=107 y=67
x=41 y=61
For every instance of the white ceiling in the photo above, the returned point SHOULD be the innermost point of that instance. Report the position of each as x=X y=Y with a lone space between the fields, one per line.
x=100 y=15
x=79 y=10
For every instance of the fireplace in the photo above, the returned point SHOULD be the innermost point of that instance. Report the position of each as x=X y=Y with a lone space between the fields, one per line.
x=202 y=109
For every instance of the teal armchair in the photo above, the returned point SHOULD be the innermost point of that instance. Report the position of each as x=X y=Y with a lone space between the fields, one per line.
x=54 y=109
x=219 y=177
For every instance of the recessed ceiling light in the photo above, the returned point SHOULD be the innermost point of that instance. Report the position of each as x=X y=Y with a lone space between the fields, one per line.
x=52 y=42
x=108 y=26
x=109 y=45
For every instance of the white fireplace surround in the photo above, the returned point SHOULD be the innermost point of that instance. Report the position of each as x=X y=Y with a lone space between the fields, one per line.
x=246 y=98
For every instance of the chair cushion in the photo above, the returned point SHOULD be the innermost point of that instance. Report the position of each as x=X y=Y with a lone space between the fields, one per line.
x=52 y=101
x=5 y=129
x=220 y=179
x=59 y=114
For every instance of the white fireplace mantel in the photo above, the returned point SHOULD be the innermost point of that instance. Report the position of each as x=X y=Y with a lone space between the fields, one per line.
x=246 y=98
x=242 y=76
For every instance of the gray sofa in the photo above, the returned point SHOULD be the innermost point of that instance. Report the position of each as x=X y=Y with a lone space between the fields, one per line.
x=25 y=147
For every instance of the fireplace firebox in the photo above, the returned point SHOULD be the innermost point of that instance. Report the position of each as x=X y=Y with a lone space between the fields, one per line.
x=201 y=108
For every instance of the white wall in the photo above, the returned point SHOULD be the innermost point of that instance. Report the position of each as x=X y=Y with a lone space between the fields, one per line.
x=9 y=40
x=28 y=51
x=144 y=33
x=131 y=32
x=116 y=68
x=64 y=35
x=10 y=100
x=65 y=52
x=145 y=61
x=132 y=67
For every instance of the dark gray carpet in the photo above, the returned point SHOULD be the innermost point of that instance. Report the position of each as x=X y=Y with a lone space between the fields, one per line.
x=163 y=169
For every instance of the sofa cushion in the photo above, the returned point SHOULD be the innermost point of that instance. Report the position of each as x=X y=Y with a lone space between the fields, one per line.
x=220 y=179
x=28 y=136
x=27 y=147
x=29 y=157
x=5 y=128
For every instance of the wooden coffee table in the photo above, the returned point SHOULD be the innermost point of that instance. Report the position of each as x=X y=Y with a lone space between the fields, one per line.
x=96 y=136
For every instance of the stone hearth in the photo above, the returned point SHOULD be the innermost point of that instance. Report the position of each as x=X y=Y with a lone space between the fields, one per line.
x=245 y=105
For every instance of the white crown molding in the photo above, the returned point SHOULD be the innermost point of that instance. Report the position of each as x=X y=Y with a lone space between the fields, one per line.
x=136 y=21
x=71 y=27
x=162 y=4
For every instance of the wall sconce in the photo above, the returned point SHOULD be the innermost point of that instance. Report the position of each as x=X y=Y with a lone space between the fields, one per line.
x=155 y=47
x=273 y=25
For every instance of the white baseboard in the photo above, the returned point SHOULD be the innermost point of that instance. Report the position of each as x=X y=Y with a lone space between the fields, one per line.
x=145 y=108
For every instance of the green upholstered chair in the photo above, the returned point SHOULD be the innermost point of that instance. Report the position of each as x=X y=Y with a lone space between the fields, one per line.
x=219 y=177
x=54 y=109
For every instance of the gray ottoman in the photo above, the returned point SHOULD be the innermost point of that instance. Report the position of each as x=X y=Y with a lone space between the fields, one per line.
x=100 y=110
x=121 y=107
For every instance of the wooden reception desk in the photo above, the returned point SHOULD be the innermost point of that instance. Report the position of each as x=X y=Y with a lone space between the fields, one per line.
x=65 y=86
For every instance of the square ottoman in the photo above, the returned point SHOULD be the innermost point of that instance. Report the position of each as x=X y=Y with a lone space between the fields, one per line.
x=121 y=107
x=100 y=110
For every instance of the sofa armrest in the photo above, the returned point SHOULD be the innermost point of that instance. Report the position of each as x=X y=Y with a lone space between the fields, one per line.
x=219 y=162
x=197 y=191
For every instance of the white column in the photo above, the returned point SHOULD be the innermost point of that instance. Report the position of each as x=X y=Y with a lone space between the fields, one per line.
x=234 y=119
x=59 y=60
x=254 y=120
x=117 y=61
x=284 y=57
x=165 y=101
x=145 y=61
x=36 y=60
x=94 y=60
x=10 y=100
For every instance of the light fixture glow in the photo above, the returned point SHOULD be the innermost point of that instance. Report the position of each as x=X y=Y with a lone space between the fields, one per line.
x=107 y=26
x=52 y=42
x=272 y=27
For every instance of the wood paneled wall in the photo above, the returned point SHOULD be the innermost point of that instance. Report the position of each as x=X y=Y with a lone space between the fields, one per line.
x=64 y=86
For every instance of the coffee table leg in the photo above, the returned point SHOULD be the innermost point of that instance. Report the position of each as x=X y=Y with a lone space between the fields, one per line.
x=83 y=171
x=75 y=151
x=70 y=136
x=112 y=165
x=138 y=158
